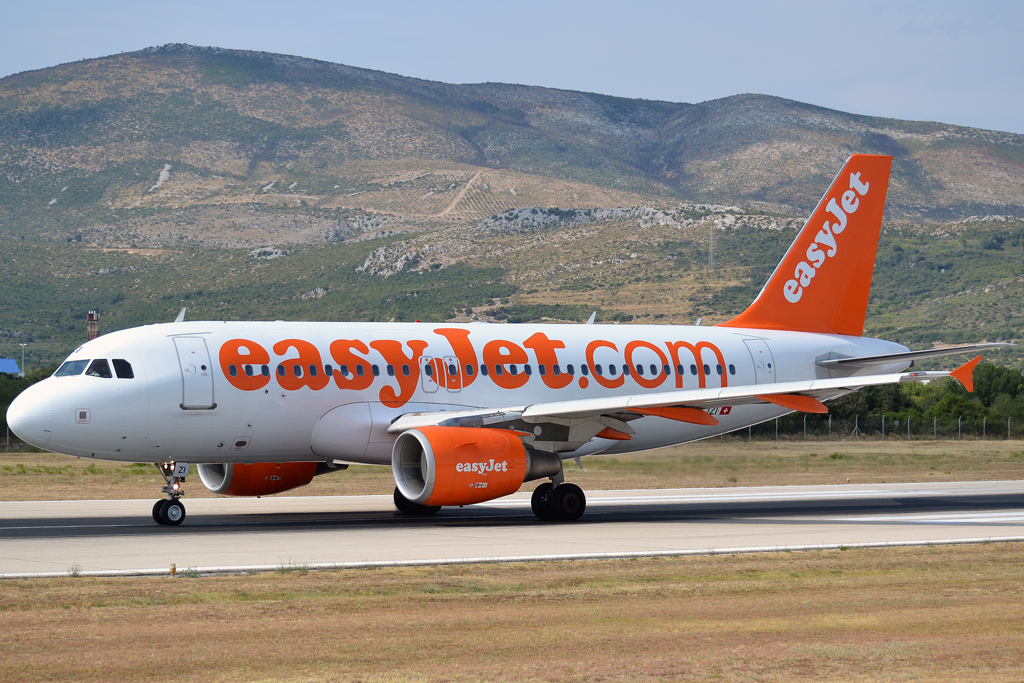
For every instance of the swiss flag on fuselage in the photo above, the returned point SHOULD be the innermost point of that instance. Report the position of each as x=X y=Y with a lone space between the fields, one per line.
x=823 y=282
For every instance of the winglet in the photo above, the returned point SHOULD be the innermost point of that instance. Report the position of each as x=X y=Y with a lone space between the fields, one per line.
x=181 y=316
x=590 y=321
x=965 y=373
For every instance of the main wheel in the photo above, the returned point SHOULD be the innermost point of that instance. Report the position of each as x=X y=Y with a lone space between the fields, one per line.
x=173 y=513
x=567 y=502
x=158 y=509
x=408 y=507
x=541 y=502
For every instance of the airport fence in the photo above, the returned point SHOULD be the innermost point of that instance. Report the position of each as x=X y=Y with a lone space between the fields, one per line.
x=876 y=426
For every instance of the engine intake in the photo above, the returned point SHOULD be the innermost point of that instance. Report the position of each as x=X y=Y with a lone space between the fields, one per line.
x=461 y=466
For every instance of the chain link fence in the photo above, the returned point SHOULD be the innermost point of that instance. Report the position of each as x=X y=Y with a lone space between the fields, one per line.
x=877 y=427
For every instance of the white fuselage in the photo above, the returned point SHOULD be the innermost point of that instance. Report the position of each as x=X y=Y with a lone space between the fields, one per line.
x=193 y=398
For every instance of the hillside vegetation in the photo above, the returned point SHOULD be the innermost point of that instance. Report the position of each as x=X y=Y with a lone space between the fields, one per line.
x=253 y=185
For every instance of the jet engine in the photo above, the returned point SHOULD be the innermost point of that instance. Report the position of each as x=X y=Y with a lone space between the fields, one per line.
x=461 y=465
x=260 y=479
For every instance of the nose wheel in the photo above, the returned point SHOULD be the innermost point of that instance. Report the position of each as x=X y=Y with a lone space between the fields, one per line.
x=170 y=511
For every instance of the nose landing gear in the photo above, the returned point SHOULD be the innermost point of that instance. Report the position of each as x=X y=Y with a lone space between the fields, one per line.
x=171 y=511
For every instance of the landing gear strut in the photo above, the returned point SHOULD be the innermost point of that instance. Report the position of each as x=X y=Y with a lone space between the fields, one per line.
x=171 y=511
x=557 y=501
x=408 y=507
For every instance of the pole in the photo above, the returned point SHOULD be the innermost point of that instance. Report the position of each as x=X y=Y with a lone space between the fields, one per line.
x=749 y=434
x=908 y=429
x=830 y=426
x=959 y=432
x=935 y=428
x=883 y=426
x=776 y=429
x=1007 y=429
x=805 y=428
x=984 y=421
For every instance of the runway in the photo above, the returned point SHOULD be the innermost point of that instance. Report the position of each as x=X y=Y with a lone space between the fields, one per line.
x=119 y=537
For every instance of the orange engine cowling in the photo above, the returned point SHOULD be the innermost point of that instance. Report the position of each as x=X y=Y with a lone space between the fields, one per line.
x=260 y=479
x=463 y=465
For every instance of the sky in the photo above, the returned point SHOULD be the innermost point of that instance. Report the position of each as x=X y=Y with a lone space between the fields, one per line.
x=937 y=60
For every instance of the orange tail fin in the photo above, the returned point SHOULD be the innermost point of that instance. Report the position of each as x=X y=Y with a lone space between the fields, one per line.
x=965 y=373
x=823 y=281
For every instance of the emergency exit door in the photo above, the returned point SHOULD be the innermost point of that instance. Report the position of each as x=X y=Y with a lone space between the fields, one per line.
x=196 y=373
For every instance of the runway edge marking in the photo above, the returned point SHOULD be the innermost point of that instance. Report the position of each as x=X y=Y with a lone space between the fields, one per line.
x=324 y=566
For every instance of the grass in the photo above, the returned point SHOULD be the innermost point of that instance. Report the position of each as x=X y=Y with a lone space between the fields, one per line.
x=929 y=613
x=711 y=463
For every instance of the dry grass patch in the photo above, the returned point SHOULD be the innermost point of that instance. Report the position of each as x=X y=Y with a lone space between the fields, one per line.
x=711 y=463
x=938 y=613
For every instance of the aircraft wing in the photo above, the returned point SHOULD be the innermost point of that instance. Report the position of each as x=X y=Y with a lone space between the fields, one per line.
x=866 y=361
x=614 y=412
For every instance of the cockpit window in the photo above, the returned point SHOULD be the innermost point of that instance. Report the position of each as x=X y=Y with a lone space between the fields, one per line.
x=99 y=368
x=71 y=367
x=123 y=369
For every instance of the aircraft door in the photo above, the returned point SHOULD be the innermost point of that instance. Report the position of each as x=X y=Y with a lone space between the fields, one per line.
x=453 y=373
x=764 y=364
x=428 y=374
x=196 y=373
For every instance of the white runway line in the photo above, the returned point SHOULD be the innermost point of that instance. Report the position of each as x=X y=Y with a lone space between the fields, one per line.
x=956 y=518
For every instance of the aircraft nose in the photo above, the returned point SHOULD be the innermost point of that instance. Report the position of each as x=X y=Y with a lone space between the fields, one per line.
x=30 y=416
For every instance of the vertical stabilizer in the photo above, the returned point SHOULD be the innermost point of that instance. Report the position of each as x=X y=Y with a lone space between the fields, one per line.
x=823 y=281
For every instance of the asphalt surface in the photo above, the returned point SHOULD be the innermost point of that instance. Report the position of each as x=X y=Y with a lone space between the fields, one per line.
x=119 y=536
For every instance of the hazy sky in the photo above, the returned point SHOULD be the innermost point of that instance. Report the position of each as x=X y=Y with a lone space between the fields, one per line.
x=939 y=60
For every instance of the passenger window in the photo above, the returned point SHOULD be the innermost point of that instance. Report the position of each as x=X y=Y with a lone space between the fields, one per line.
x=469 y=370
x=498 y=370
x=707 y=370
x=71 y=368
x=344 y=371
x=452 y=370
x=654 y=369
x=297 y=369
x=429 y=369
x=556 y=369
x=405 y=370
x=329 y=370
x=585 y=369
x=570 y=369
x=248 y=371
x=639 y=369
x=123 y=369
x=232 y=370
x=375 y=369
x=99 y=368
x=483 y=370
x=718 y=369
x=265 y=370
x=612 y=369
x=313 y=370
x=542 y=369
x=732 y=369
x=513 y=369
x=668 y=370
x=359 y=370
x=679 y=369
x=527 y=369
x=625 y=369
x=693 y=369
x=598 y=369
x=391 y=370
x=280 y=371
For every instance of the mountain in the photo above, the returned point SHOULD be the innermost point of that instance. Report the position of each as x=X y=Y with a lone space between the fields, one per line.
x=247 y=184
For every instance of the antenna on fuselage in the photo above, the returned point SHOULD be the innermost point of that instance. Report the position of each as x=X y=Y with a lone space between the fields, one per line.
x=592 y=318
x=181 y=316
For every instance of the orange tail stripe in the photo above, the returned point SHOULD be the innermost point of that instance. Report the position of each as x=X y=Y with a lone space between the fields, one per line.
x=614 y=434
x=694 y=416
x=805 y=404
x=965 y=373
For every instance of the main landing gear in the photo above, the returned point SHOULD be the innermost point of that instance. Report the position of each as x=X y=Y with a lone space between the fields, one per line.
x=171 y=511
x=408 y=507
x=558 y=503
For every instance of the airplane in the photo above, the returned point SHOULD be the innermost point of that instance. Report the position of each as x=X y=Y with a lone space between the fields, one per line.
x=466 y=413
